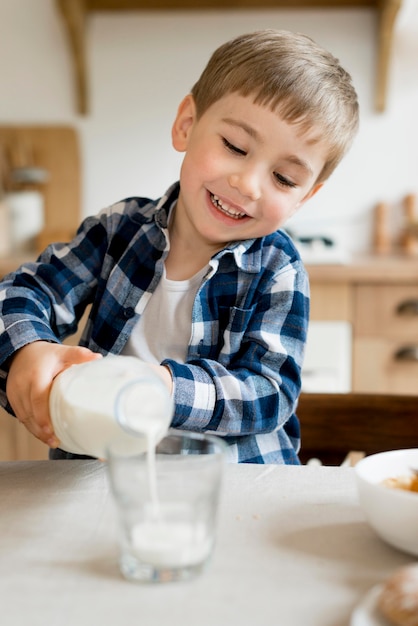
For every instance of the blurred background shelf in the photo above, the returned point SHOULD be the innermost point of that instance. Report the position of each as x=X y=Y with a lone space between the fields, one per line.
x=75 y=14
x=55 y=150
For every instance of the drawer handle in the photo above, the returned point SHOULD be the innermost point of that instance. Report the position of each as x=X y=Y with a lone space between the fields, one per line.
x=407 y=353
x=408 y=307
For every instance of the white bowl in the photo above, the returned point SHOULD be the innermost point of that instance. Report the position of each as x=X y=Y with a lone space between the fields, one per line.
x=392 y=513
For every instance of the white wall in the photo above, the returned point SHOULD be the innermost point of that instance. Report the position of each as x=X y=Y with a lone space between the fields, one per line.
x=141 y=65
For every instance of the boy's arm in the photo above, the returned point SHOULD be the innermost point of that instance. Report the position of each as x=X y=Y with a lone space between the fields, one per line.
x=254 y=385
x=44 y=300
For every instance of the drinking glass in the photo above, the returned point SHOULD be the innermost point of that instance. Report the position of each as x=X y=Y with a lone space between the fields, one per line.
x=166 y=500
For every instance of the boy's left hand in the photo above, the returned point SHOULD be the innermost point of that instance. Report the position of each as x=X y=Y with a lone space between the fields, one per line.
x=29 y=381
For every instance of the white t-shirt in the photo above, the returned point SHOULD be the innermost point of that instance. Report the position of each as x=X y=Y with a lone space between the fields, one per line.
x=164 y=328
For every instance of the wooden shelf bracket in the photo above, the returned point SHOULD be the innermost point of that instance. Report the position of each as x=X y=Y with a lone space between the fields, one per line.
x=75 y=13
x=388 y=13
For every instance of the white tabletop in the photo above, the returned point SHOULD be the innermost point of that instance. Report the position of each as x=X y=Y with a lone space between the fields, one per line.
x=293 y=550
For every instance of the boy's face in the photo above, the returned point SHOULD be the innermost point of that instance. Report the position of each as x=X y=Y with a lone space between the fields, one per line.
x=245 y=170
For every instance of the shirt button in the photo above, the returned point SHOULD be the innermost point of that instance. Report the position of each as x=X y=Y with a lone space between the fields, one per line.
x=128 y=312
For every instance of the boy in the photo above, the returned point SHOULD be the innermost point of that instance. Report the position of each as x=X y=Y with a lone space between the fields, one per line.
x=202 y=283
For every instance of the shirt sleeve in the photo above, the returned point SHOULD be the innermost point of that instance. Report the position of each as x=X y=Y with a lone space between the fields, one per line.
x=44 y=300
x=253 y=386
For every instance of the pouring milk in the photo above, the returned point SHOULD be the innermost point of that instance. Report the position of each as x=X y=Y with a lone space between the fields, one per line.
x=119 y=402
x=114 y=400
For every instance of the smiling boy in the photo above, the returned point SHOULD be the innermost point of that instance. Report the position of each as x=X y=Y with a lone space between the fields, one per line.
x=201 y=283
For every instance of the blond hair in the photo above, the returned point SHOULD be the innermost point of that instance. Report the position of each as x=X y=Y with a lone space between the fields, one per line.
x=291 y=74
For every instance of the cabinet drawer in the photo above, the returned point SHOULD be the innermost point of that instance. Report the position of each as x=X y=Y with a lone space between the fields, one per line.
x=377 y=368
x=331 y=302
x=387 y=311
x=17 y=443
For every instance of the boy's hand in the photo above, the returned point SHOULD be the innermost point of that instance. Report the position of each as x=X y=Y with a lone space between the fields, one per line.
x=31 y=374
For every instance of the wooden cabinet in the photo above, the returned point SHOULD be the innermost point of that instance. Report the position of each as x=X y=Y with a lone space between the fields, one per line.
x=379 y=297
x=55 y=148
x=386 y=339
x=17 y=443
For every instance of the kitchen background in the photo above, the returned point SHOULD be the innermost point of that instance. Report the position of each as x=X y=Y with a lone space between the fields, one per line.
x=140 y=64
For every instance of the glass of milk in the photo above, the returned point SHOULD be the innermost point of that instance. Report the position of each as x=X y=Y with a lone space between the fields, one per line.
x=166 y=501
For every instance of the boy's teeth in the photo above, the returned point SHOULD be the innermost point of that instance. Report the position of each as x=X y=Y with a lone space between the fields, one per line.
x=225 y=208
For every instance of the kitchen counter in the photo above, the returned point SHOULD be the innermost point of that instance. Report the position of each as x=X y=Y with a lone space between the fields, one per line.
x=368 y=269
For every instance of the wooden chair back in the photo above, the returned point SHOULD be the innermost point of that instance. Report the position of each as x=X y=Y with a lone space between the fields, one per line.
x=336 y=424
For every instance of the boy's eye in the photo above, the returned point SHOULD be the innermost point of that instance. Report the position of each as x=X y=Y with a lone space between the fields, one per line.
x=283 y=181
x=232 y=148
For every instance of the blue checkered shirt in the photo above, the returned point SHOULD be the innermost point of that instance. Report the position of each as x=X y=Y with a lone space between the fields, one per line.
x=242 y=375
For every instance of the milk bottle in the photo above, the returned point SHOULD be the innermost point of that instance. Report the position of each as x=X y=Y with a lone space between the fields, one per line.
x=114 y=400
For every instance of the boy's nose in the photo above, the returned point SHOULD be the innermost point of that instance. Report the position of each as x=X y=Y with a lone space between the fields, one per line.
x=247 y=183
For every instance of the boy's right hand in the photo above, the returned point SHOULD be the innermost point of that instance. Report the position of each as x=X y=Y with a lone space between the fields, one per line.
x=29 y=381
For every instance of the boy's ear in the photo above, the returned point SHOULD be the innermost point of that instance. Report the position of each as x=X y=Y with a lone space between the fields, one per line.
x=183 y=123
x=311 y=193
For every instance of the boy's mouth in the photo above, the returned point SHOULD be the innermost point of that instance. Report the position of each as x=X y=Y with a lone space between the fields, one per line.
x=225 y=208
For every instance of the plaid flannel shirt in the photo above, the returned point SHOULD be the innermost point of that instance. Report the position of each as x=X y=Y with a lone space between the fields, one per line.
x=241 y=377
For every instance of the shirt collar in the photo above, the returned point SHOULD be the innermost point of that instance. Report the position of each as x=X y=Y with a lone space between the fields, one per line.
x=166 y=204
x=247 y=253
